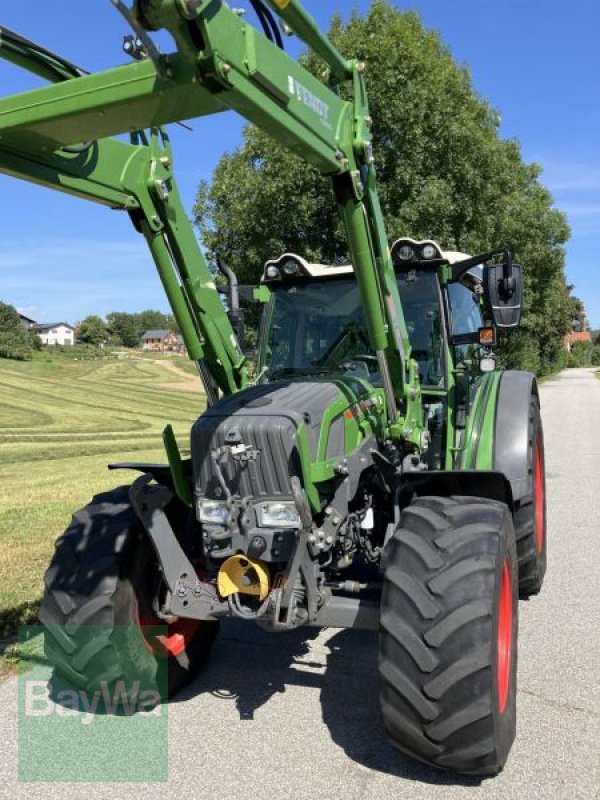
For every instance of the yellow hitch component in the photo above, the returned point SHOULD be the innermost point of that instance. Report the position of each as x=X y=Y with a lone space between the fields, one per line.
x=242 y=575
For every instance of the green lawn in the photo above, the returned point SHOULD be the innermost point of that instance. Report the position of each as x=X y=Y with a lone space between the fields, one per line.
x=61 y=422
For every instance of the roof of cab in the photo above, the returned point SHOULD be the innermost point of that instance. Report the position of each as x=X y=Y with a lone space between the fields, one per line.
x=332 y=270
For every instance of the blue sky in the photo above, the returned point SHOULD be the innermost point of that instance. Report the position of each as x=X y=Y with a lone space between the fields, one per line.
x=536 y=61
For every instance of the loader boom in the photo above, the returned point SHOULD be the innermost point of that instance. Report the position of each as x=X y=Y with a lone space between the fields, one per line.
x=221 y=63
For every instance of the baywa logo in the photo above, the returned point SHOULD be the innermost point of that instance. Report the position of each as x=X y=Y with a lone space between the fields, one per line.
x=310 y=100
x=112 y=729
x=44 y=699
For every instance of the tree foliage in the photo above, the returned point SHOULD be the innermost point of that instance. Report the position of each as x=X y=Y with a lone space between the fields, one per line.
x=14 y=340
x=129 y=328
x=444 y=172
x=93 y=330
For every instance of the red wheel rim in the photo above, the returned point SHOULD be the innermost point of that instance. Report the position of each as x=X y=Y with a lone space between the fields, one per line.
x=174 y=642
x=539 y=498
x=505 y=630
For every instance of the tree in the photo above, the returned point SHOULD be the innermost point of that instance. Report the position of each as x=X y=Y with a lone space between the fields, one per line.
x=14 y=341
x=155 y=320
x=93 y=330
x=125 y=327
x=443 y=172
x=579 y=320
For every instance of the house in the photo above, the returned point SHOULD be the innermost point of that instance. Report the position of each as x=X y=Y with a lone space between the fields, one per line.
x=576 y=336
x=160 y=341
x=26 y=322
x=55 y=333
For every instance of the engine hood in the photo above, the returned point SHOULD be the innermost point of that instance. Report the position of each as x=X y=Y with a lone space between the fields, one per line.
x=267 y=418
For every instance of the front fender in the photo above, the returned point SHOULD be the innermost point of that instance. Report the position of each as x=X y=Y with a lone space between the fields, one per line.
x=497 y=434
x=511 y=433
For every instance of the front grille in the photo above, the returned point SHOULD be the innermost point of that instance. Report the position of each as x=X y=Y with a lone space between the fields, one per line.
x=266 y=477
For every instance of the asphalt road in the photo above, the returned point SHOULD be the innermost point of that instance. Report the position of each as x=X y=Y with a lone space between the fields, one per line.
x=297 y=716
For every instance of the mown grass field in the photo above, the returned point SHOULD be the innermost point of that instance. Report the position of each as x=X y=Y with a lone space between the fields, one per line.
x=61 y=422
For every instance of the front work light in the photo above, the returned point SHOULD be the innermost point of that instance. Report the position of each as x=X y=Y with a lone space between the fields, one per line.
x=428 y=252
x=291 y=268
x=406 y=252
x=213 y=512
x=278 y=514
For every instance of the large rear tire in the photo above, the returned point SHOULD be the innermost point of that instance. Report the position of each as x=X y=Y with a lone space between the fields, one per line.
x=448 y=634
x=529 y=518
x=97 y=611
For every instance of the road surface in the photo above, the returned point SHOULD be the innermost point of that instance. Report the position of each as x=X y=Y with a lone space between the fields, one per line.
x=297 y=716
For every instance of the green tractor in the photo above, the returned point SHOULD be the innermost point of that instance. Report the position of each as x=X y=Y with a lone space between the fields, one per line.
x=378 y=472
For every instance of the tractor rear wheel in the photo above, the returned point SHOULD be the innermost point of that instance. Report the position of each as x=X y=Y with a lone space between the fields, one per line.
x=529 y=518
x=448 y=634
x=100 y=627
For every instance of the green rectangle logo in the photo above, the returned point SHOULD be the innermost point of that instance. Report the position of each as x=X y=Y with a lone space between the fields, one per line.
x=112 y=728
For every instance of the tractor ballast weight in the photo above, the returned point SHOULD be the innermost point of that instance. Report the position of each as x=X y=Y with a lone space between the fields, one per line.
x=375 y=473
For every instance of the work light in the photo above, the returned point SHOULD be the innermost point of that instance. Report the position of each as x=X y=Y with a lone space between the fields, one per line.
x=213 y=512
x=279 y=515
x=406 y=252
x=428 y=252
x=291 y=268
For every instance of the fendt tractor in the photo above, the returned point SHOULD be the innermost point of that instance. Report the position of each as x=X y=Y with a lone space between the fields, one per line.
x=374 y=471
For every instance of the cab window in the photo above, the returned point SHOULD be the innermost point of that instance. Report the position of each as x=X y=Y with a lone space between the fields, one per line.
x=420 y=298
x=465 y=312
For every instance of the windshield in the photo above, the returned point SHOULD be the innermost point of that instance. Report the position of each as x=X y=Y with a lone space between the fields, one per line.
x=318 y=328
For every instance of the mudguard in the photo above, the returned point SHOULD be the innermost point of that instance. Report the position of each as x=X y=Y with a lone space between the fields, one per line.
x=511 y=430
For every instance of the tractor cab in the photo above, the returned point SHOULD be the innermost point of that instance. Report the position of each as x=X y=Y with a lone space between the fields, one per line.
x=314 y=322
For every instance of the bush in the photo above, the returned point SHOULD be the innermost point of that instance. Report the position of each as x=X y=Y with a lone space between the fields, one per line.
x=581 y=355
x=34 y=341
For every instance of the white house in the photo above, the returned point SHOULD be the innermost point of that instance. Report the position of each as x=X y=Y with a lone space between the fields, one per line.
x=56 y=333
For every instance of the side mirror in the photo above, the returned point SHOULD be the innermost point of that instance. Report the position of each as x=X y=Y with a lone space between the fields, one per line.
x=503 y=292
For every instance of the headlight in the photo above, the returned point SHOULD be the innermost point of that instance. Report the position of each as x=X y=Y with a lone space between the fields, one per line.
x=406 y=252
x=278 y=515
x=428 y=252
x=272 y=272
x=213 y=512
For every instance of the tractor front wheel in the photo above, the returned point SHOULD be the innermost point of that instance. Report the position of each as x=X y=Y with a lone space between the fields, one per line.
x=101 y=629
x=448 y=634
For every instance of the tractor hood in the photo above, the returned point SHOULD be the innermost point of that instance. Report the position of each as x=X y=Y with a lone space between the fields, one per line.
x=276 y=422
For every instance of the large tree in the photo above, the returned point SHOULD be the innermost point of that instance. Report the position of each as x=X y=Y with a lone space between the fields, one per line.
x=14 y=340
x=444 y=172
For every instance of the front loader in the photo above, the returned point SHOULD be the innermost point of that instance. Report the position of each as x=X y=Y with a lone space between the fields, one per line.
x=378 y=473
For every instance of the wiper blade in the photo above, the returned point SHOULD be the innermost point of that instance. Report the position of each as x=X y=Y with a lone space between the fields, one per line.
x=290 y=371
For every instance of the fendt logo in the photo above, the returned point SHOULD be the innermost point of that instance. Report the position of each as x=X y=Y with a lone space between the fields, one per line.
x=310 y=100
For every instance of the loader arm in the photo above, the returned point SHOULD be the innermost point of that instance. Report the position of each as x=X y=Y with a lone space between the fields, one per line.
x=221 y=63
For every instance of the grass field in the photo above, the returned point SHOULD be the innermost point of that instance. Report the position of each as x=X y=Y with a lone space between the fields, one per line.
x=61 y=422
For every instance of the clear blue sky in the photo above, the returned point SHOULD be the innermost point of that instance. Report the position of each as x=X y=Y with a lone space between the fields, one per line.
x=536 y=61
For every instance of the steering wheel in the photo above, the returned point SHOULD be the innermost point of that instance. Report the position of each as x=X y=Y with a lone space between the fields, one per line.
x=364 y=357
